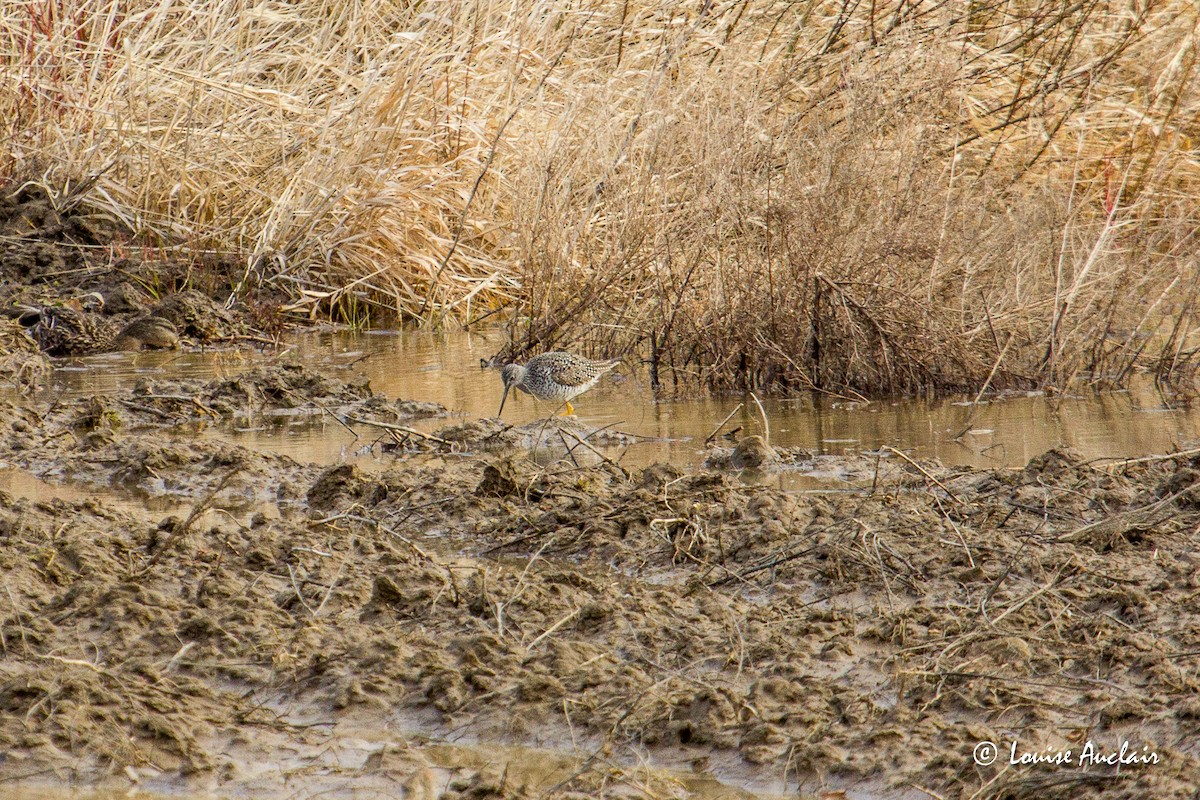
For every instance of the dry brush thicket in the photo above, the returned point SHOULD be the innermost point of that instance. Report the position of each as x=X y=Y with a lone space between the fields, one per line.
x=870 y=195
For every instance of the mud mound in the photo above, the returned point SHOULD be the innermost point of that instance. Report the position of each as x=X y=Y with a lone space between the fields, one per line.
x=345 y=485
x=21 y=362
x=96 y=442
x=558 y=435
x=246 y=478
x=279 y=390
x=481 y=434
x=943 y=625
x=119 y=441
x=56 y=254
x=198 y=317
x=44 y=238
x=284 y=386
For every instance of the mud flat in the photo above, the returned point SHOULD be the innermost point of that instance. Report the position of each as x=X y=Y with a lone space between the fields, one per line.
x=471 y=623
x=182 y=614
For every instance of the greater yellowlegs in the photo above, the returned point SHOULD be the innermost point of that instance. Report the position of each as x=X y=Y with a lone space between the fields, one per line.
x=553 y=376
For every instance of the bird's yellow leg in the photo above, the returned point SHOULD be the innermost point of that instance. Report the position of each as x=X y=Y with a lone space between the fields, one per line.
x=570 y=411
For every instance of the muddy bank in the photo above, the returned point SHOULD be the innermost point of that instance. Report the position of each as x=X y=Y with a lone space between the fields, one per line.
x=865 y=639
x=74 y=283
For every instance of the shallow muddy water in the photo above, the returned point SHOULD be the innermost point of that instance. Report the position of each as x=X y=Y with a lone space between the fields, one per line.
x=457 y=618
x=446 y=369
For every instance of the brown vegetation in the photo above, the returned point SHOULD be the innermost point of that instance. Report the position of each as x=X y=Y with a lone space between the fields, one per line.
x=880 y=196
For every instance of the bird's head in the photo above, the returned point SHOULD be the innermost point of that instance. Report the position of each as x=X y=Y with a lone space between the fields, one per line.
x=511 y=374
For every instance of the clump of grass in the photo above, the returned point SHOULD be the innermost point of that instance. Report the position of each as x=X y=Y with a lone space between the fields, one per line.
x=748 y=194
x=332 y=146
x=915 y=201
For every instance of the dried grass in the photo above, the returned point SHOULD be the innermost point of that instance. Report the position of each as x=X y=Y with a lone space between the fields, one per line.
x=751 y=193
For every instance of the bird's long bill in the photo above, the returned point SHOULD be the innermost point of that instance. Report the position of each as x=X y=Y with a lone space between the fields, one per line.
x=502 y=399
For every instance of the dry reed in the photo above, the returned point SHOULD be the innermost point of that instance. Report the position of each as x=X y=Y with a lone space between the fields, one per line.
x=884 y=196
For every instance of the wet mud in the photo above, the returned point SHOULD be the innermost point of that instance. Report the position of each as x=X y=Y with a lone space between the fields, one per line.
x=476 y=619
x=862 y=639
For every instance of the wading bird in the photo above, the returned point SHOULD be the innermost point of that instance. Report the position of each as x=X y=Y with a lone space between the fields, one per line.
x=553 y=376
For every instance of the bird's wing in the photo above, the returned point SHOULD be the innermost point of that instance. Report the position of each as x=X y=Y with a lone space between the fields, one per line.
x=571 y=372
x=566 y=372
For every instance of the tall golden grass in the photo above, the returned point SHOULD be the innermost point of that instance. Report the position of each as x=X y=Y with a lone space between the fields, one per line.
x=866 y=195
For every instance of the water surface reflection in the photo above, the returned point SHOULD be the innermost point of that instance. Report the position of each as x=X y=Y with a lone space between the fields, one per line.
x=444 y=368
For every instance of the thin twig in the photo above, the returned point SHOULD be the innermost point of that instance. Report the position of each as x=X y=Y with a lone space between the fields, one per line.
x=763 y=413
x=389 y=426
x=584 y=442
x=182 y=527
x=924 y=472
x=982 y=389
x=717 y=429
